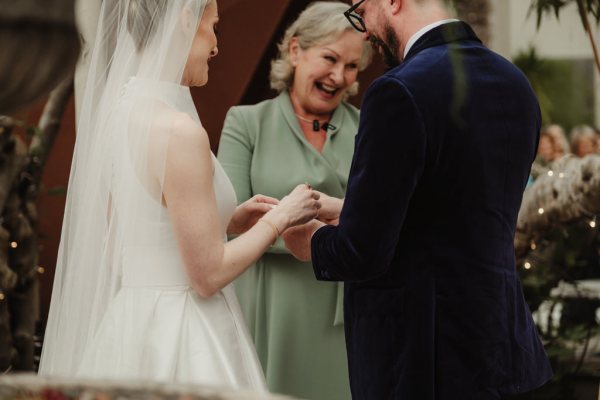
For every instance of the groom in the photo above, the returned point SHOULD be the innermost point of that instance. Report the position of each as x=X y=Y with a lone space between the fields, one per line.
x=433 y=305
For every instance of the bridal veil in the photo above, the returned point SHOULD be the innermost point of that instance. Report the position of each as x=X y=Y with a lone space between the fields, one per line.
x=132 y=94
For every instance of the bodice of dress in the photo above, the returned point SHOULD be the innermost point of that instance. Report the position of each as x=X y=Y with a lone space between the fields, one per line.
x=147 y=243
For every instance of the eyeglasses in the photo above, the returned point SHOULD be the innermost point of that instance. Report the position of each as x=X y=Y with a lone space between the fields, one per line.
x=356 y=20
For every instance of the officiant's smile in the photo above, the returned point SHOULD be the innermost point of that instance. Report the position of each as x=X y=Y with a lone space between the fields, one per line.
x=324 y=74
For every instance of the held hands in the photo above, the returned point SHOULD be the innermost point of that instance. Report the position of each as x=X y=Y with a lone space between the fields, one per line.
x=331 y=207
x=295 y=215
x=249 y=212
x=297 y=239
x=300 y=206
x=297 y=208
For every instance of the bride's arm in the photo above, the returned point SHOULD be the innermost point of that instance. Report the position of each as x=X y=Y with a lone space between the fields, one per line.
x=190 y=198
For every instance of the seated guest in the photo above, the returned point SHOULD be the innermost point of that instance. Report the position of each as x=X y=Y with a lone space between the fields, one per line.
x=583 y=140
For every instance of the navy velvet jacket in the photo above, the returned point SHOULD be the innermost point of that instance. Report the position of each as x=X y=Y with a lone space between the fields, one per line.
x=433 y=304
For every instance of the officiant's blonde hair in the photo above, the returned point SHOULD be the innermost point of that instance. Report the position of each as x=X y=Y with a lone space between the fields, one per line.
x=320 y=23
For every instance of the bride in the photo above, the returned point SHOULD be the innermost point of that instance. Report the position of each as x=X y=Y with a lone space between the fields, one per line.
x=142 y=286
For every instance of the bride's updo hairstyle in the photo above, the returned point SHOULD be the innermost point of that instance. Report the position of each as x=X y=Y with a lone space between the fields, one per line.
x=142 y=19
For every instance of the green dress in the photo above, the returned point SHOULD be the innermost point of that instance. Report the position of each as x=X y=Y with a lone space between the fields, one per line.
x=264 y=151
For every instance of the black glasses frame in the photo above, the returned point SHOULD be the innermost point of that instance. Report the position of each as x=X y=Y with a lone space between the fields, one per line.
x=355 y=20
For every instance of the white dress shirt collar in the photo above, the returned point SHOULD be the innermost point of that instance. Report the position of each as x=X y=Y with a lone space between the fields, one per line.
x=413 y=39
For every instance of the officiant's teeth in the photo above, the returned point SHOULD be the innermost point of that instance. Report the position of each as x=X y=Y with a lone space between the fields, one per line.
x=326 y=88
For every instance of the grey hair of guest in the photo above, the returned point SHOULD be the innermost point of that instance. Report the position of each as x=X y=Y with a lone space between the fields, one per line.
x=559 y=138
x=580 y=133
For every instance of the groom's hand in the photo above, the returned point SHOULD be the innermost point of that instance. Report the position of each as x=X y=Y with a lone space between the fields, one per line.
x=331 y=207
x=297 y=239
x=249 y=212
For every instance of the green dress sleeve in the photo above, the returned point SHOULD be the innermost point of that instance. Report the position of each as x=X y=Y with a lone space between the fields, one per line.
x=235 y=153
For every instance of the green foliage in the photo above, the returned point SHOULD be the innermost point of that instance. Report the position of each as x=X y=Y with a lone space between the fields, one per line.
x=542 y=7
x=538 y=71
x=562 y=88
x=567 y=254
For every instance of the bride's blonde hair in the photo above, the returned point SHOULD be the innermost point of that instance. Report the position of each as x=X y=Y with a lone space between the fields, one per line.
x=142 y=19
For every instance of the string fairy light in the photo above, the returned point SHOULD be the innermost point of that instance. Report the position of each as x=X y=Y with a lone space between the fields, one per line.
x=14 y=245
x=541 y=210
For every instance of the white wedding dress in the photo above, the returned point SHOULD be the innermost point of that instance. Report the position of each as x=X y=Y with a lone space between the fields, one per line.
x=156 y=327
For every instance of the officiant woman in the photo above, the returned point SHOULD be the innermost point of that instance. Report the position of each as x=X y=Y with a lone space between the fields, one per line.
x=305 y=134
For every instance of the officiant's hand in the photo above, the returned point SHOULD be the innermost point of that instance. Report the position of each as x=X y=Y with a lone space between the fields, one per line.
x=297 y=239
x=250 y=211
x=331 y=207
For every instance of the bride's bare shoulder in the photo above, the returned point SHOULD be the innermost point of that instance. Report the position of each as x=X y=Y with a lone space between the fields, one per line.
x=181 y=139
x=174 y=128
x=185 y=130
x=188 y=140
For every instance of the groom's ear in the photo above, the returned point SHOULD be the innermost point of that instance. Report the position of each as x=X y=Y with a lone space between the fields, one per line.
x=395 y=6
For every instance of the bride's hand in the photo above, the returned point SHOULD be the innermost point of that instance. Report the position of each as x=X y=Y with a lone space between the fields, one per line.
x=250 y=211
x=298 y=207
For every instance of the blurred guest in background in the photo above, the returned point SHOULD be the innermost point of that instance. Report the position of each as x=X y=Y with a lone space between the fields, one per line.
x=305 y=134
x=553 y=145
x=583 y=140
x=560 y=143
x=546 y=152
